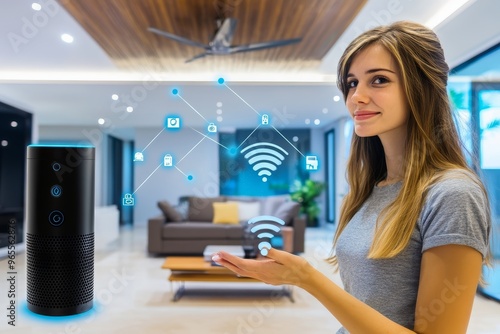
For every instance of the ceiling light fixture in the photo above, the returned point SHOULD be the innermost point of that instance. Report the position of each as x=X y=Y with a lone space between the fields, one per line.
x=336 y=98
x=130 y=109
x=308 y=121
x=317 y=121
x=107 y=76
x=101 y=121
x=36 y=6
x=446 y=11
x=67 y=38
x=13 y=124
x=5 y=143
x=114 y=97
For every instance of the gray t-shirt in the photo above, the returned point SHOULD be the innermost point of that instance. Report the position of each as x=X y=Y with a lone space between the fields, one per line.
x=455 y=212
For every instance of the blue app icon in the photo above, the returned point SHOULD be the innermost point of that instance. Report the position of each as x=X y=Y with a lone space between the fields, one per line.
x=56 y=190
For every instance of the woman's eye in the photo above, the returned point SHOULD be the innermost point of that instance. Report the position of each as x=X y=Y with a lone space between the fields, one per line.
x=380 y=80
x=352 y=84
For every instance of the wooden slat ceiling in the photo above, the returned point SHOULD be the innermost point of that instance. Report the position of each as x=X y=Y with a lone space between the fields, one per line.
x=120 y=28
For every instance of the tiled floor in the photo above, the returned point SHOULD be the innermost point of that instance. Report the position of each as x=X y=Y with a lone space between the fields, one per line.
x=133 y=296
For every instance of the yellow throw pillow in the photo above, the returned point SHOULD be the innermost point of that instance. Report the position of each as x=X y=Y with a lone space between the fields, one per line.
x=226 y=213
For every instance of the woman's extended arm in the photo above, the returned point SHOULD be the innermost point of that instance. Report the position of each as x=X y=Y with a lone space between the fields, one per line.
x=443 y=269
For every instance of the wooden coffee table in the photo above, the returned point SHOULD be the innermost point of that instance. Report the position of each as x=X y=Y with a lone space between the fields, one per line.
x=196 y=269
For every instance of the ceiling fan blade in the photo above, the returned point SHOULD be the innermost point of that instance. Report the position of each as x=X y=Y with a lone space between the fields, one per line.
x=264 y=45
x=177 y=38
x=201 y=55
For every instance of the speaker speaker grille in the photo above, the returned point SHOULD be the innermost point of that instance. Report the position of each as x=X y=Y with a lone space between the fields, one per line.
x=60 y=270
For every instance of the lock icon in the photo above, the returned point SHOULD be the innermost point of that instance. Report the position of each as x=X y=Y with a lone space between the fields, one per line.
x=212 y=127
x=167 y=160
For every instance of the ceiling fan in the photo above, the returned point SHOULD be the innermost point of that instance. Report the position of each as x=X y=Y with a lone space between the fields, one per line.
x=221 y=42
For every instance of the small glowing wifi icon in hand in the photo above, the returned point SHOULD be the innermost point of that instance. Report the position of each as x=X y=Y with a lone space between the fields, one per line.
x=264 y=231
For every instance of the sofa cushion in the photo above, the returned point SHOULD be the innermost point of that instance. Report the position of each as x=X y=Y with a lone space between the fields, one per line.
x=247 y=210
x=169 y=211
x=201 y=208
x=287 y=211
x=201 y=230
x=226 y=213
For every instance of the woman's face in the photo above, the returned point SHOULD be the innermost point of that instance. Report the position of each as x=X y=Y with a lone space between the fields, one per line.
x=376 y=99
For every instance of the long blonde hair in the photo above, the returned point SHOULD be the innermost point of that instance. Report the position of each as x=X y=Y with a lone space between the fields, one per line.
x=432 y=144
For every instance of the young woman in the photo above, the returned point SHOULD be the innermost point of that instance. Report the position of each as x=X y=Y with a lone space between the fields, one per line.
x=414 y=228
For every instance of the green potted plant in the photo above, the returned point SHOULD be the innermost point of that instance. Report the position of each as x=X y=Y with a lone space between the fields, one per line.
x=305 y=194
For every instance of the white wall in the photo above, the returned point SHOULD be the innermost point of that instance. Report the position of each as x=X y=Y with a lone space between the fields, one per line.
x=169 y=183
x=82 y=135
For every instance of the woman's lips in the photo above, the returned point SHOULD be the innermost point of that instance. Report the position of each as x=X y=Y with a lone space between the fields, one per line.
x=365 y=115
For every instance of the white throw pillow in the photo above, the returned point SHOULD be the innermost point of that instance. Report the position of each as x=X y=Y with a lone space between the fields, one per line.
x=247 y=210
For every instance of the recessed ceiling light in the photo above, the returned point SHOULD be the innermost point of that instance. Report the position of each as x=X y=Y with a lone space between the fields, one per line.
x=13 y=124
x=336 y=98
x=5 y=143
x=114 y=97
x=317 y=121
x=36 y=6
x=67 y=38
x=219 y=118
x=325 y=110
x=130 y=109
x=219 y=111
x=219 y=104
x=295 y=138
x=101 y=121
x=308 y=121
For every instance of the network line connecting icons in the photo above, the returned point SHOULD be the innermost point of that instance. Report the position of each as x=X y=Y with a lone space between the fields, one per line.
x=263 y=157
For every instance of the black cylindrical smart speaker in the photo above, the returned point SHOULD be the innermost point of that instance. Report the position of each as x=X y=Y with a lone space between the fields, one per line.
x=60 y=229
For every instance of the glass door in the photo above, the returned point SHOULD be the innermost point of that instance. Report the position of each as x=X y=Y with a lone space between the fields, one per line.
x=330 y=175
x=486 y=111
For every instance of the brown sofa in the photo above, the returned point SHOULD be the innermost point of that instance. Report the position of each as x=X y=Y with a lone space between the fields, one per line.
x=189 y=231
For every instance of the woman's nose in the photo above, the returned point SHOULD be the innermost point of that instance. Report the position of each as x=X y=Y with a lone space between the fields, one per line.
x=360 y=95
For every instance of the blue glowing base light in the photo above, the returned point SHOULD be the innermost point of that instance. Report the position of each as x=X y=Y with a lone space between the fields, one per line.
x=220 y=81
x=62 y=145
x=190 y=177
x=175 y=91
x=86 y=316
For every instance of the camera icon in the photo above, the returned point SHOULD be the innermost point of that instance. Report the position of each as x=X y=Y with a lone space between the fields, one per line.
x=173 y=122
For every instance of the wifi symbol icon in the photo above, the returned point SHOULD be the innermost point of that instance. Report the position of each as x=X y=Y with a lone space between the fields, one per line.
x=264 y=231
x=264 y=158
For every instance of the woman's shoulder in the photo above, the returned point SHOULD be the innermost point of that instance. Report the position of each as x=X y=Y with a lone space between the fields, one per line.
x=455 y=180
x=455 y=185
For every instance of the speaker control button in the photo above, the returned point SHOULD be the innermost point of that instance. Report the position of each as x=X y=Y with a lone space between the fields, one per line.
x=56 y=218
x=56 y=190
